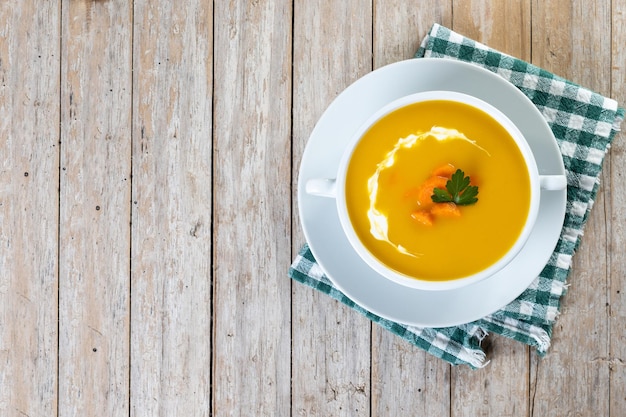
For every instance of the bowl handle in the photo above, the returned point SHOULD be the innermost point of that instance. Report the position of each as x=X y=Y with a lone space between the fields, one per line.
x=323 y=187
x=552 y=182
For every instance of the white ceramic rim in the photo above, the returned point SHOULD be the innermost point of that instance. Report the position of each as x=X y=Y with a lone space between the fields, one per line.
x=414 y=282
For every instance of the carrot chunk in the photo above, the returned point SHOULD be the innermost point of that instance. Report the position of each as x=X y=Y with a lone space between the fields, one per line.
x=423 y=217
x=445 y=210
x=426 y=189
x=428 y=210
x=445 y=171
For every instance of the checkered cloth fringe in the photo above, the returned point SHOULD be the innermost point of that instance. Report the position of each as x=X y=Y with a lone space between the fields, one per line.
x=584 y=124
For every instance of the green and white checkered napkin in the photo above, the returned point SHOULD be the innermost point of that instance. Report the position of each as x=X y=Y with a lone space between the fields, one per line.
x=584 y=124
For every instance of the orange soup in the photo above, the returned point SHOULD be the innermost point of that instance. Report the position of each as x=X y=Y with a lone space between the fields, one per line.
x=390 y=179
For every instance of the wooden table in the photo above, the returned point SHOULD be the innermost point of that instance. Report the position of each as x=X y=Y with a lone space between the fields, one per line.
x=149 y=152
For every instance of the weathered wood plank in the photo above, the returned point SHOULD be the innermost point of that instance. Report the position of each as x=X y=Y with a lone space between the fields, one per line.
x=615 y=197
x=29 y=175
x=573 y=39
x=330 y=342
x=500 y=389
x=400 y=26
x=95 y=208
x=171 y=216
x=252 y=212
x=503 y=25
x=405 y=379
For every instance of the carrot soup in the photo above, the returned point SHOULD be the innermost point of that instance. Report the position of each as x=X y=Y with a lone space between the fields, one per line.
x=437 y=190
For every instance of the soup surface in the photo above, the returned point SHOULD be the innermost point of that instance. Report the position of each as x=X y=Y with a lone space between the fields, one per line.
x=398 y=158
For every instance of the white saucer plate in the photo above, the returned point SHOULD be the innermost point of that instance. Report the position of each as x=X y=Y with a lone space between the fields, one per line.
x=320 y=220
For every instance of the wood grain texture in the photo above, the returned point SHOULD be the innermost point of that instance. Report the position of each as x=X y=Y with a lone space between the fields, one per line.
x=499 y=389
x=573 y=39
x=504 y=25
x=252 y=208
x=400 y=26
x=405 y=379
x=29 y=175
x=330 y=342
x=95 y=208
x=172 y=199
x=615 y=198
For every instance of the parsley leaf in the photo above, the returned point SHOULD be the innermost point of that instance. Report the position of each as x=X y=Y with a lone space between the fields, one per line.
x=458 y=191
x=441 y=196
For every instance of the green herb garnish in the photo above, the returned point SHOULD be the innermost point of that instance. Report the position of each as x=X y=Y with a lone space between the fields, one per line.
x=458 y=191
